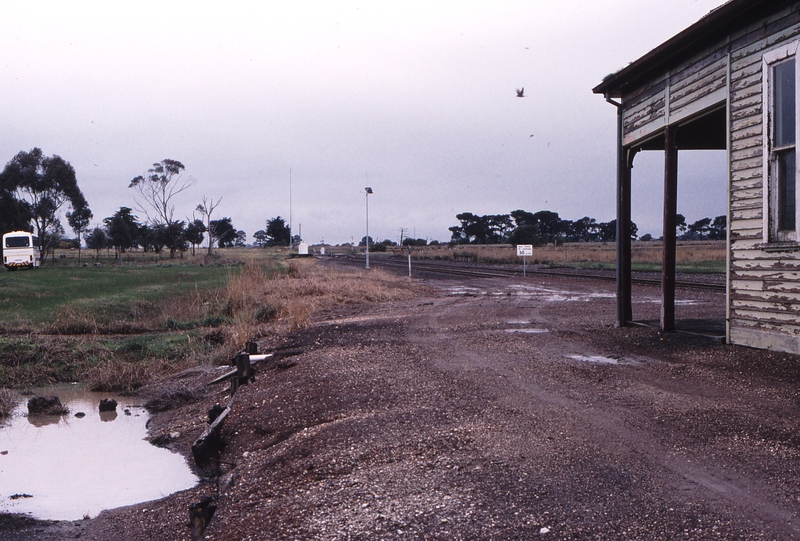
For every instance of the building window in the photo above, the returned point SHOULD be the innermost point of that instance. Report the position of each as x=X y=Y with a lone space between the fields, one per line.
x=780 y=112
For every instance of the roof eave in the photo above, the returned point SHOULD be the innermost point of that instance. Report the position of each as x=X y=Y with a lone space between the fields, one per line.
x=710 y=28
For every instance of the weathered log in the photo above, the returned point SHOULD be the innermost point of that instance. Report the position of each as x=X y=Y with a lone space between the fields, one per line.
x=206 y=448
x=200 y=515
x=223 y=377
x=245 y=373
x=254 y=359
x=214 y=412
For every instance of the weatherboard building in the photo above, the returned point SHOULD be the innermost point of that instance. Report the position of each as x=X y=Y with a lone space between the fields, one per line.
x=728 y=82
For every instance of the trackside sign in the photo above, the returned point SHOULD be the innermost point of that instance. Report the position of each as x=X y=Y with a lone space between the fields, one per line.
x=524 y=250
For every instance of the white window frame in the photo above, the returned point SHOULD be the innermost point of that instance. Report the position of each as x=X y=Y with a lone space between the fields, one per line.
x=770 y=228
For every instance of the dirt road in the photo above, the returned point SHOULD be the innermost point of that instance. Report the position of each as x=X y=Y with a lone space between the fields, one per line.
x=494 y=409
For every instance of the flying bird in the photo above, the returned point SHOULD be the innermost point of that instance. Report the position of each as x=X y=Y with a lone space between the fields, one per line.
x=521 y=92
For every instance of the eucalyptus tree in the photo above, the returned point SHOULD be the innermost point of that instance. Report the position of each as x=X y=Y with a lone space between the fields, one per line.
x=43 y=186
x=79 y=220
x=206 y=209
x=194 y=233
x=156 y=191
x=96 y=239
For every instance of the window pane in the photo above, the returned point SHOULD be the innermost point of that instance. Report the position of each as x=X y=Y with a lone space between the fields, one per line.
x=17 y=242
x=783 y=84
x=786 y=190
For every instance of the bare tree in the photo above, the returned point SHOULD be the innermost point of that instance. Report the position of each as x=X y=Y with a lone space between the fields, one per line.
x=206 y=208
x=157 y=188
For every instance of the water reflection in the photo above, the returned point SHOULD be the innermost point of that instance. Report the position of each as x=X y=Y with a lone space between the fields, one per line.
x=43 y=420
x=107 y=416
x=74 y=466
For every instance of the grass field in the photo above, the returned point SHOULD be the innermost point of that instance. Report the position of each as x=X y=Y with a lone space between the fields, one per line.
x=691 y=256
x=30 y=299
x=118 y=326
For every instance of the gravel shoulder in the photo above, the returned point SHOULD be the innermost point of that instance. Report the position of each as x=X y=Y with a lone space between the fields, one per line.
x=487 y=409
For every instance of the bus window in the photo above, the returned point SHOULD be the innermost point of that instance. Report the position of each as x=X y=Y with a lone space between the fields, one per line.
x=17 y=242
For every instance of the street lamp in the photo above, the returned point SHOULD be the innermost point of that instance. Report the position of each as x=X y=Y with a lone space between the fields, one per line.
x=369 y=191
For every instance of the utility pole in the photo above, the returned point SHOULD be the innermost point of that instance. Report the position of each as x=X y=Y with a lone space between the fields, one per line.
x=369 y=191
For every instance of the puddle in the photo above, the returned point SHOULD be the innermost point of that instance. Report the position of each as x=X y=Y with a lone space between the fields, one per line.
x=678 y=302
x=530 y=291
x=66 y=467
x=558 y=295
x=527 y=331
x=464 y=291
x=593 y=359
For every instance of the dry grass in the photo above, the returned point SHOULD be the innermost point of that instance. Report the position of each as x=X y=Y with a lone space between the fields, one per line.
x=7 y=402
x=579 y=252
x=72 y=320
x=116 y=375
x=258 y=294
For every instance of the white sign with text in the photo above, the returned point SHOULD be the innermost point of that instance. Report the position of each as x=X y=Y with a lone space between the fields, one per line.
x=524 y=250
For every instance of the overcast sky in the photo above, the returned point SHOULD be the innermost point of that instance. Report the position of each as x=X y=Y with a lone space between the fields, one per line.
x=415 y=99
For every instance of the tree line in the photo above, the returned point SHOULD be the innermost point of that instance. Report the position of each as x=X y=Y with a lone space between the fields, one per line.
x=37 y=190
x=545 y=227
x=123 y=231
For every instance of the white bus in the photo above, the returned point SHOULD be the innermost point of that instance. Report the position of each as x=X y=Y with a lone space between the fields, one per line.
x=20 y=250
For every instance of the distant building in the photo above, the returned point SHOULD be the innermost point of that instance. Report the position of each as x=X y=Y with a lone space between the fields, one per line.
x=728 y=82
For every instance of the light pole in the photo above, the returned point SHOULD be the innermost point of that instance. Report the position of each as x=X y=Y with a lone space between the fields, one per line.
x=369 y=191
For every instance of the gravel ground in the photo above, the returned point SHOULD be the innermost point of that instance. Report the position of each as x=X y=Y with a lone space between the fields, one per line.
x=488 y=409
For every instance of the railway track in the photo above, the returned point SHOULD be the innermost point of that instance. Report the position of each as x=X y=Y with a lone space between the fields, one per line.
x=475 y=270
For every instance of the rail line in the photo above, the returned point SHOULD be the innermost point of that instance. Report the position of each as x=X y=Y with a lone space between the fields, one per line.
x=706 y=282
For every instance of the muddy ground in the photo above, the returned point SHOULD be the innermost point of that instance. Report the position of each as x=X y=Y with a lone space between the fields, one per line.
x=487 y=409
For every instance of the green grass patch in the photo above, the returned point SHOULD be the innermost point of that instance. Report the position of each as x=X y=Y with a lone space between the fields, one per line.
x=38 y=298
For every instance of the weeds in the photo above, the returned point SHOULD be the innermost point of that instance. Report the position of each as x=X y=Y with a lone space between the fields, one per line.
x=115 y=375
x=7 y=403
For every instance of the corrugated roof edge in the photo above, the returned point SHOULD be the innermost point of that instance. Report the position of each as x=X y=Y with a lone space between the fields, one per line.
x=714 y=26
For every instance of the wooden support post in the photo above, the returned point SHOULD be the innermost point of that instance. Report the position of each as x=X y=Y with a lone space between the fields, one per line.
x=200 y=515
x=624 y=310
x=670 y=213
x=244 y=371
x=623 y=272
x=206 y=448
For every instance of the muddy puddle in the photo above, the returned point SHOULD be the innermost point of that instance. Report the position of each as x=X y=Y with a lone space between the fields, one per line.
x=69 y=467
